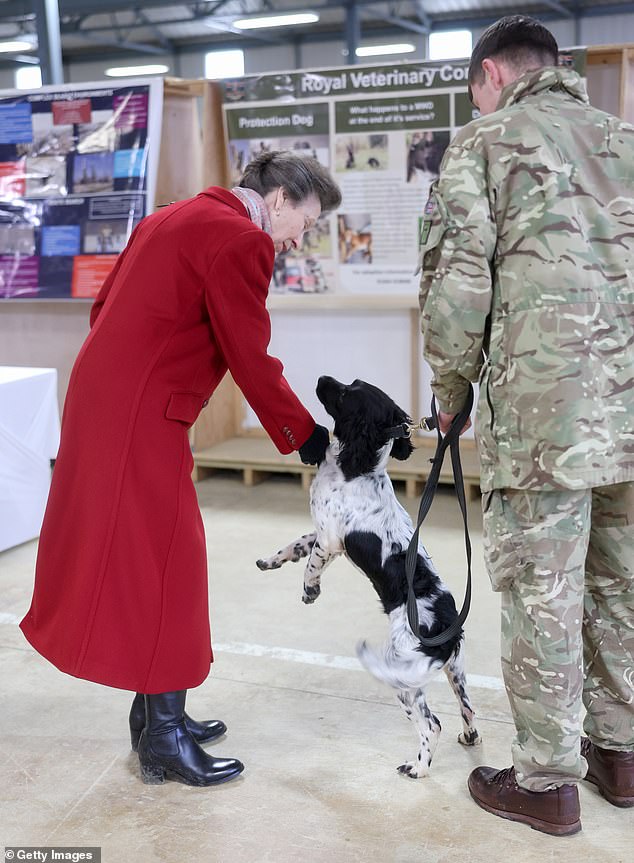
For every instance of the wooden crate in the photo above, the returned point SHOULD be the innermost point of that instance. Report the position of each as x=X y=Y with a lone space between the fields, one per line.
x=610 y=77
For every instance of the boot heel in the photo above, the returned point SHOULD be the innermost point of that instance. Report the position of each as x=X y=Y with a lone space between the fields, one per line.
x=152 y=775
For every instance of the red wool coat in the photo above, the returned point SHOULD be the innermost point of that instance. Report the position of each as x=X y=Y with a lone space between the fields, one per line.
x=120 y=592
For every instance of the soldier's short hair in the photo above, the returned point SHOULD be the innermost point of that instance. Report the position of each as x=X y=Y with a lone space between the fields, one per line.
x=518 y=40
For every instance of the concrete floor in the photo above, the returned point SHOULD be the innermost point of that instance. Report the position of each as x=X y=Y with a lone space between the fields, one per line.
x=321 y=740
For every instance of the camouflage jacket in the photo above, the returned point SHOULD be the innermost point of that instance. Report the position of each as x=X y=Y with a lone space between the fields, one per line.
x=527 y=256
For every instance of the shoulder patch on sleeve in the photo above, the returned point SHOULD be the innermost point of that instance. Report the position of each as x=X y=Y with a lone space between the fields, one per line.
x=430 y=209
x=424 y=234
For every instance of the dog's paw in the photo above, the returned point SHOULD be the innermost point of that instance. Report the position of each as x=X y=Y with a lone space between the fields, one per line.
x=310 y=594
x=265 y=565
x=413 y=769
x=470 y=739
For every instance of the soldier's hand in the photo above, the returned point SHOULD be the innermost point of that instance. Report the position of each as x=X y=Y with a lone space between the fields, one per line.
x=445 y=420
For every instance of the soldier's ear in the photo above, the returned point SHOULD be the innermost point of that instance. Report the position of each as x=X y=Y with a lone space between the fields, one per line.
x=491 y=73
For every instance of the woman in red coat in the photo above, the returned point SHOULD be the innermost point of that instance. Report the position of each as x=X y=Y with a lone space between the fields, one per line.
x=120 y=592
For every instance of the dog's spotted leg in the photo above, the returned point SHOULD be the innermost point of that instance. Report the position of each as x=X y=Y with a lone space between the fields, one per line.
x=428 y=726
x=454 y=669
x=317 y=562
x=293 y=552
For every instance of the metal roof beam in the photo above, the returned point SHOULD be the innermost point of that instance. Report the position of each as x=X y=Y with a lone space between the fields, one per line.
x=403 y=23
x=114 y=25
x=19 y=10
x=22 y=11
x=559 y=7
x=26 y=59
x=422 y=13
x=142 y=47
x=489 y=17
x=353 y=30
x=609 y=9
x=221 y=26
x=49 y=40
x=155 y=28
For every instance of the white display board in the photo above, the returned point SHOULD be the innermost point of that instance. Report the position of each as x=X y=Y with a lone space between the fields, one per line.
x=343 y=344
x=376 y=345
x=29 y=439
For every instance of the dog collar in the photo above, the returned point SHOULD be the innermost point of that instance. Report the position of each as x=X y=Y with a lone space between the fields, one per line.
x=402 y=430
x=406 y=429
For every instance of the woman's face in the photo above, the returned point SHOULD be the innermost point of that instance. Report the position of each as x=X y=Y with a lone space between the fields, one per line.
x=290 y=220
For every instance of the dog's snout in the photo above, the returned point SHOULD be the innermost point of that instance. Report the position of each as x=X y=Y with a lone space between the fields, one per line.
x=326 y=380
x=329 y=391
x=326 y=384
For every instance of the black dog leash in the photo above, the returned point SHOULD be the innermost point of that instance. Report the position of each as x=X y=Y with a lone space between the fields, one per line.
x=449 y=441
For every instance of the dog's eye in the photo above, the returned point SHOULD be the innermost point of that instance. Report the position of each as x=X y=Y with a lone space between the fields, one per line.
x=342 y=395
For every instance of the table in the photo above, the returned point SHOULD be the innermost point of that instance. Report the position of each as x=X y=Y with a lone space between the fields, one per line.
x=29 y=439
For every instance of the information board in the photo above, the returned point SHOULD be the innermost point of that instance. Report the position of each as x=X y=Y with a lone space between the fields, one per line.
x=77 y=172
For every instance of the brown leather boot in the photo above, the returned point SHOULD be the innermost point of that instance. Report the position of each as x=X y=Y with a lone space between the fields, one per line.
x=555 y=812
x=612 y=772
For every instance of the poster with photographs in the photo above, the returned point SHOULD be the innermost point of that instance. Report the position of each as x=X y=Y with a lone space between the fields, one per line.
x=311 y=268
x=77 y=172
x=382 y=131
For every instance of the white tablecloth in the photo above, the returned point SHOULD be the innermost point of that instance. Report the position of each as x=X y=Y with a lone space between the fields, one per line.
x=29 y=438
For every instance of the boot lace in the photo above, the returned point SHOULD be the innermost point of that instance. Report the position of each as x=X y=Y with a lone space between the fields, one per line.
x=503 y=776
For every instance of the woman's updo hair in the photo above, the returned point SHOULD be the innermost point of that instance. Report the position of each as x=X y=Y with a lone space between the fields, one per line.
x=300 y=176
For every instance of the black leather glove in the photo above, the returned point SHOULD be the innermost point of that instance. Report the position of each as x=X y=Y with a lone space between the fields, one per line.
x=314 y=450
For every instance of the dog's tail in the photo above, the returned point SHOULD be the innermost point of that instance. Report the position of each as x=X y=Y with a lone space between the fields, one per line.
x=400 y=669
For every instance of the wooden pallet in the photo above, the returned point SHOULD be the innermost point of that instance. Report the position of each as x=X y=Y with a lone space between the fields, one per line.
x=257 y=458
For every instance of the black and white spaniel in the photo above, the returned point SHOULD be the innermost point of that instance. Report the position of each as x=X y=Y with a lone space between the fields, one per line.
x=356 y=513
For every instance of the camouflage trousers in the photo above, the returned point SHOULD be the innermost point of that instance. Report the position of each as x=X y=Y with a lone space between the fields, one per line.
x=564 y=564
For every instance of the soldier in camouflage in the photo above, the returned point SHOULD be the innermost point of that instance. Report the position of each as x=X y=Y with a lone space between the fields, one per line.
x=527 y=257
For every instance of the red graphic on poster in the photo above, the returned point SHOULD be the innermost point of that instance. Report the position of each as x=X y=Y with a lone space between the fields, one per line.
x=71 y=111
x=13 y=178
x=89 y=274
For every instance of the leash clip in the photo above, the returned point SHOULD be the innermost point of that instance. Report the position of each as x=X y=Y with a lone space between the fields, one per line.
x=405 y=429
x=426 y=424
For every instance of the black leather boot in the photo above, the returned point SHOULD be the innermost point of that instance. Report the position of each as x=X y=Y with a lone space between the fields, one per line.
x=202 y=732
x=168 y=751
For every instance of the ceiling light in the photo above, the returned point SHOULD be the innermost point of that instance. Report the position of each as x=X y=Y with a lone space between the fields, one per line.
x=450 y=44
x=10 y=47
x=276 y=21
x=131 y=71
x=378 y=50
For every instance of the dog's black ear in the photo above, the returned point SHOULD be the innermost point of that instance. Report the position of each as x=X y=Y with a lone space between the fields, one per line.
x=359 y=450
x=402 y=448
x=360 y=438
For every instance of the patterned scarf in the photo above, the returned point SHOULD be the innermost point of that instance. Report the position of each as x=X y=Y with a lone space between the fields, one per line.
x=256 y=208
